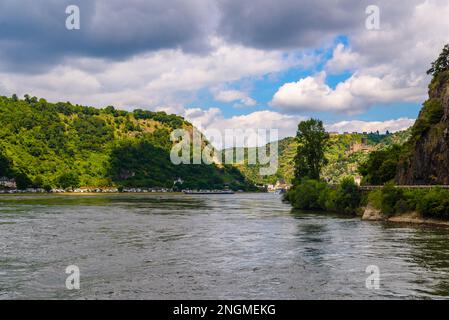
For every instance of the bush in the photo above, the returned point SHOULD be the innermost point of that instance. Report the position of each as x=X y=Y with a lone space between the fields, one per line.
x=306 y=195
x=316 y=195
x=347 y=196
x=381 y=165
x=435 y=203
x=375 y=199
x=432 y=203
x=390 y=196
x=327 y=199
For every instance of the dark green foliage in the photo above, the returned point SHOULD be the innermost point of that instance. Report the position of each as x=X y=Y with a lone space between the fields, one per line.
x=144 y=162
x=68 y=180
x=316 y=195
x=381 y=165
x=312 y=143
x=93 y=132
x=430 y=114
x=390 y=197
x=431 y=203
x=434 y=203
x=441 y=63
x=306 y=195
x=63 y=145
x=173 y=120
x=5 y=166
x=347 y=197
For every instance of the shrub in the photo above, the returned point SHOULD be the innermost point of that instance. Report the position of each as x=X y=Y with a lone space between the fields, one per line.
x=375 y=199
x=390 y=196
x=432 y=203
x=326 y=199
x=380 y=167
x=435 y=203
x=316 y=195
x=347 y=196
x=306 y=195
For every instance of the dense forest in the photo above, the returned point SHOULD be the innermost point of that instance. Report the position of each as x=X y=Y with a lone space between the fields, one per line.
x=63 y=145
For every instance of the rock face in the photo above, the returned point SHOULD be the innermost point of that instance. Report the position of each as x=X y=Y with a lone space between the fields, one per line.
x=427 y=158
x=372 y=214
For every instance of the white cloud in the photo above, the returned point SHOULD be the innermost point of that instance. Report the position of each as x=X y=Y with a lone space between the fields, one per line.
x=343 y=59
x=241 y=98
x=352 y=96
x=151 y=79
x=371 y=126
x=229 y=95
x=213 y=119
x=285 y=124
x=388 y=65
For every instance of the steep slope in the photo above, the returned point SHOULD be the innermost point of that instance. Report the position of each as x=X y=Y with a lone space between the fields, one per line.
x=63 y=145
x=426 y=160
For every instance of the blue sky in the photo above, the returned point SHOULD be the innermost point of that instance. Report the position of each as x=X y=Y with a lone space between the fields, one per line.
x=227 y=63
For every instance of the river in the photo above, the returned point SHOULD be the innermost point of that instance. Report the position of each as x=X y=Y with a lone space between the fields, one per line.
x=242 y=246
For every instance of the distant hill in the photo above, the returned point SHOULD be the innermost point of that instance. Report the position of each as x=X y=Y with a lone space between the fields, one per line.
x=345 y=153
x=64 y=145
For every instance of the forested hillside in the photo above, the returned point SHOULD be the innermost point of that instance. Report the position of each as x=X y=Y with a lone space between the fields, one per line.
x=63 y=145
x=343 y=160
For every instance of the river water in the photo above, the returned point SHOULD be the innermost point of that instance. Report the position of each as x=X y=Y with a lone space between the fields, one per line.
x=243 y=246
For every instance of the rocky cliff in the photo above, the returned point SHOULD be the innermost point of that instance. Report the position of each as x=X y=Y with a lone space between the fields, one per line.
x=426 y=160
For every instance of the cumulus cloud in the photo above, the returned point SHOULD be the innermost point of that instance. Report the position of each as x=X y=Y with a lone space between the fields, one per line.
x=213 y=119
x=343 y=59
x=286 y=125
x=152 y=53
x=355 y=95
x=371 y=126
x=388 y=65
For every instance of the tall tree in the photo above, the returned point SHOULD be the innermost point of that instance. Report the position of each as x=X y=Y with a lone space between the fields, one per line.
x=441 y=63
x=312 y=143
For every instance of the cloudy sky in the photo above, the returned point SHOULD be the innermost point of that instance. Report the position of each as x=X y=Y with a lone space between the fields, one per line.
x=229 y=63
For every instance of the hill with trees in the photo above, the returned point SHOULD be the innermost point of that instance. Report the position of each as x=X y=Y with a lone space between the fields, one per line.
x=345 y=154
x=63 y=145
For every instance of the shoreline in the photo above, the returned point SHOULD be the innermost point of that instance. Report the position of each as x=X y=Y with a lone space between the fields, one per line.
x=414 y=218
x=372 y=214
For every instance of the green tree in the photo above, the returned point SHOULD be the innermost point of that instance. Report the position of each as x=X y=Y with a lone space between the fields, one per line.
x=312 y=143
x=68 y=180
x=5 y=166
x=381 y=165
x=441 y=63
x=347 y=196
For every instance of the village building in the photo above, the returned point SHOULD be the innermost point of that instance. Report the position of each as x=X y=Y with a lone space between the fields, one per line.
x=8 y=183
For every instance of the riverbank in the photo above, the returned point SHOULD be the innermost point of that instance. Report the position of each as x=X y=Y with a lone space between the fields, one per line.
x=428 y=205
x=372 y=214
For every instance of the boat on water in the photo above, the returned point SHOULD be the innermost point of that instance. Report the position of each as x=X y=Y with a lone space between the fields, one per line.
x=208 y=192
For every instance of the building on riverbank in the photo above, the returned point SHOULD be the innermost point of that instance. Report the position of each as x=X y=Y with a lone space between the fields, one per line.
x=8 y=183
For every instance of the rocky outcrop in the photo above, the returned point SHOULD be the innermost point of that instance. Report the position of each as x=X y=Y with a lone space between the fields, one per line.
x=372 y=213
x=427 y=159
